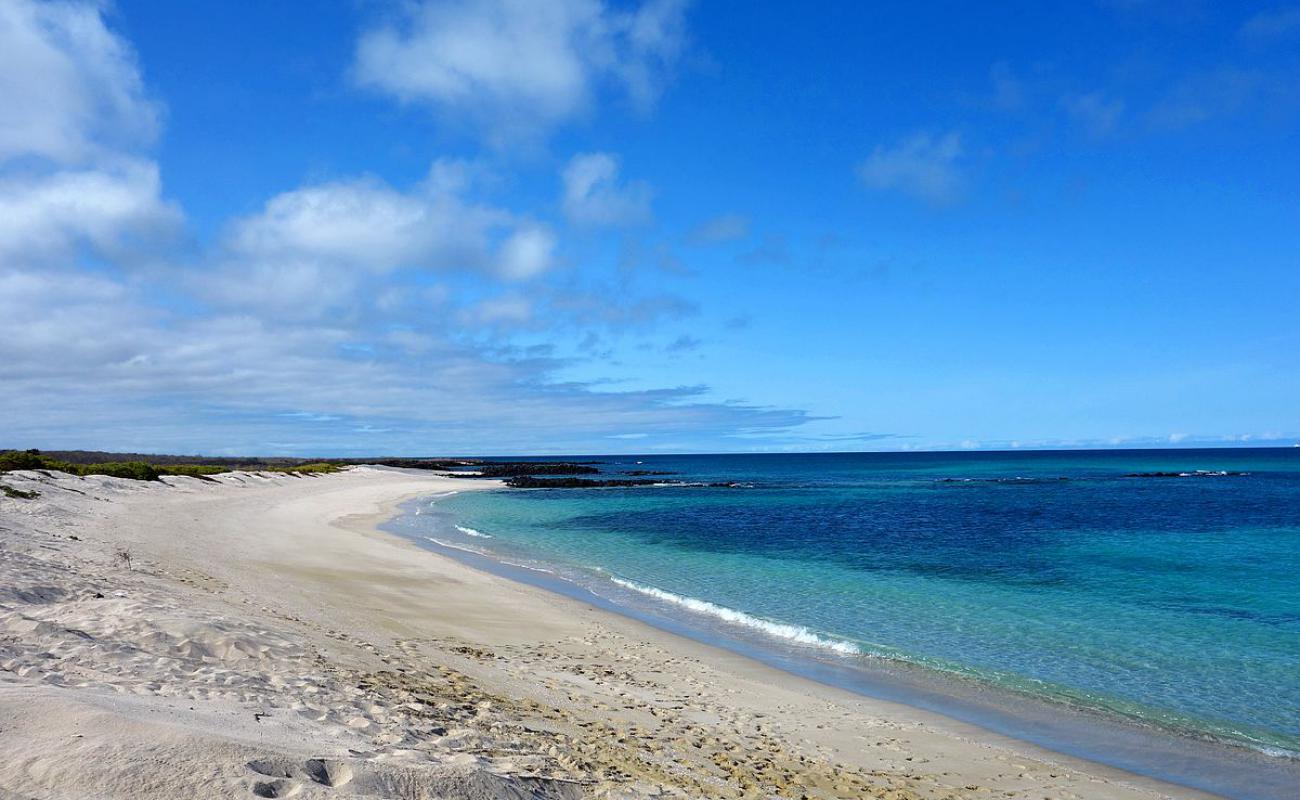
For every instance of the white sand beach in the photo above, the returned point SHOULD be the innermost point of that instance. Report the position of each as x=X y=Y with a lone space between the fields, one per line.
x=255 y=635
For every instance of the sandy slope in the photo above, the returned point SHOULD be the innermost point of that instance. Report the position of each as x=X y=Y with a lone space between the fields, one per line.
x=265 y=640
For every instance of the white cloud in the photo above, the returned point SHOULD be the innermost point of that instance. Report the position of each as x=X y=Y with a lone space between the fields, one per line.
x=527 y=253
x=72 y=114
x=50 y=217
x=310 y=250
x=62 y=323
x=921 y=166
x=518 y=66
x=322 y=319
x=594 y=197
x=369 y=225
x=70 y=87
x=89 y=363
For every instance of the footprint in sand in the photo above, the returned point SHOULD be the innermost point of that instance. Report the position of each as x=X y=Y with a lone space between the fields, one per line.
x=286 y=775
x=328 y=772
x=279 y=787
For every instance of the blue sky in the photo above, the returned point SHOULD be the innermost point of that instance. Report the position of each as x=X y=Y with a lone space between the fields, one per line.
x=577 y=226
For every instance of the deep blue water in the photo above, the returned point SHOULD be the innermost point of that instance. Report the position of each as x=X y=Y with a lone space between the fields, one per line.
x=1173 y=602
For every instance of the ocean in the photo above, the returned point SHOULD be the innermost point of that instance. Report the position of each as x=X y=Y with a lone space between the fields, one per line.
x=1140 y=608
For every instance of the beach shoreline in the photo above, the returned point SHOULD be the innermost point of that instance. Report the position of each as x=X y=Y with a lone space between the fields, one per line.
x=1096 y=736
x=267 y=626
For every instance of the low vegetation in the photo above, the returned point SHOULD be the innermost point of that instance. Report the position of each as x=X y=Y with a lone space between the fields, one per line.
x=152 y=467
x=141 y=470
x=18 y=494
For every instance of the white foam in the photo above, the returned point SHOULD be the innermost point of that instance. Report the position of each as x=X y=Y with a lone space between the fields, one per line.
x=781 y=630
x=434 y=500
x=471 y=532
x=530 y=567
x=473 y=550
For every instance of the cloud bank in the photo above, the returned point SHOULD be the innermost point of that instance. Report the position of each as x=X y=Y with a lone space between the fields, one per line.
x=348 y=315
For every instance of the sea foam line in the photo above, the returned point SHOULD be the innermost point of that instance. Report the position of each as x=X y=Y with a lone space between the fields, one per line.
x=473 y=550
x=471 y=532
x=781 y=630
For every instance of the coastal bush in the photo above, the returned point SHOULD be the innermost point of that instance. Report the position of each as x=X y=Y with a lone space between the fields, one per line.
x=315 y=467
x=191 y=470
x=22 y=459
x=32 y=459
x=132 y=470
x=145 y=471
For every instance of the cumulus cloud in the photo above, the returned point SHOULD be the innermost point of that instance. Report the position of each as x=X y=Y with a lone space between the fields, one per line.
x=516 y=66
x=74 y=116
x=527 y=253
x=48 y=218
x=922 y=166
x=313 y=324
x=366 y=224
x=594 y=196
x=309 y=250
x=71 y=87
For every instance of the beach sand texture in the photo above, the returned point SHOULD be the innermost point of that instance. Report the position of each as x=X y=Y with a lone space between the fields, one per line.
x=254 y=635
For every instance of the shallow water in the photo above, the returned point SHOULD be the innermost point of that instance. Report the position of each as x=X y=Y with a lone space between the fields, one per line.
x=1072 y=578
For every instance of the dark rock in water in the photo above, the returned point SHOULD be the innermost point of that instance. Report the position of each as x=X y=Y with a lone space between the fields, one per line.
x=507 y=469
x=529 y=482
x=478 y=468
x=647 y=472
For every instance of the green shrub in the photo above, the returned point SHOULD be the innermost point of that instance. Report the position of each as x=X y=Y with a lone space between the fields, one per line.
x=20 y=494
x=133 y=470
x=19 y=459
x=32 y=459
x=141 y=470
x=192 y=470
x=319 y=466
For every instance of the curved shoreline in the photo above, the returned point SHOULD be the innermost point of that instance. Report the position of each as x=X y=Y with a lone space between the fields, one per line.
x=1095 y=737
x=262 y=624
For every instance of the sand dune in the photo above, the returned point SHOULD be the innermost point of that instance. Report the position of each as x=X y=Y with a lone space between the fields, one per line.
x=255 y=636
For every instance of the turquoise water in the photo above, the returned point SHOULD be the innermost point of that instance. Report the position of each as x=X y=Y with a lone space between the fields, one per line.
x=1075 y=578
